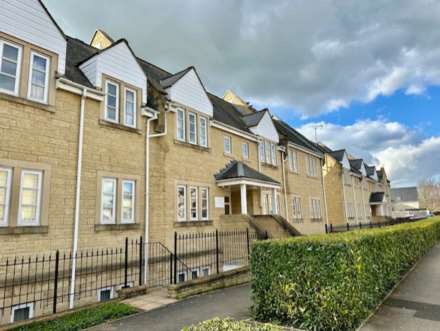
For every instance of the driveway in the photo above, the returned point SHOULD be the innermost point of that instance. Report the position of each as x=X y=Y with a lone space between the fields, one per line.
x=415 y=304
x=232 y=302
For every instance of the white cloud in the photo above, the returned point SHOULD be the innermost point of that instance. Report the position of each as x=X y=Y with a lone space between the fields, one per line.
x=407 y=156
x=279 y=50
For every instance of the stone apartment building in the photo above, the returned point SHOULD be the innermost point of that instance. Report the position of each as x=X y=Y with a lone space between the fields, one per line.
x=359 y=193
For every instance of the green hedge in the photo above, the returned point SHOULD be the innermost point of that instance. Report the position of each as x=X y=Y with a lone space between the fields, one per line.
x=231 y=325
x=332 y=282
x=82 y=319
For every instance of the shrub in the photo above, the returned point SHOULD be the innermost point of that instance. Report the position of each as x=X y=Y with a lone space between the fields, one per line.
x=332 y=282
x=82 y=319
x=231 y=325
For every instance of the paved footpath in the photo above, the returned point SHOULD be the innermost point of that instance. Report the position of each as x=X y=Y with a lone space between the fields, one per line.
x=233 y=302
x=415 y=304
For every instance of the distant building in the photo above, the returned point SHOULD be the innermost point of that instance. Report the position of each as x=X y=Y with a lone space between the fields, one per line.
x=404 y=198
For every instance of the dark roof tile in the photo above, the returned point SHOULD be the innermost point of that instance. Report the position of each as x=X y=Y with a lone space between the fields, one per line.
x=236 y=169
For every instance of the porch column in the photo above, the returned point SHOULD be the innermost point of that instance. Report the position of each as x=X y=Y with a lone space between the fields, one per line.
x=274 y=201
x=243 y=195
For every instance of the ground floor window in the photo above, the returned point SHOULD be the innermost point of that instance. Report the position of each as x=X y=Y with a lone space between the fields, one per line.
x=105 y=294
x=296 y=204
x=22 y=312
x=197 y=200
x=315 y=209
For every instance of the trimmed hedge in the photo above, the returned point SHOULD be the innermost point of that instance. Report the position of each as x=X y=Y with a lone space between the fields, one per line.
x=231 y=325
x=82 y=319
x=332 y=282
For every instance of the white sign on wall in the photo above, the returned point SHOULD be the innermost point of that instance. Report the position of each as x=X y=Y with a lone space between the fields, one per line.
x=219 y=202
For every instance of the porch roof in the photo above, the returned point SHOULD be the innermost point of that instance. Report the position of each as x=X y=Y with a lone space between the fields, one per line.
x=377 y=198
x=237 y=172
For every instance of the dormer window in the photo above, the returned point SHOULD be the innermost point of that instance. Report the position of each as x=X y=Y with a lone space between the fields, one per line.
x=10 y=56
x=111 y=102
x=130 y=108
x=39 y=78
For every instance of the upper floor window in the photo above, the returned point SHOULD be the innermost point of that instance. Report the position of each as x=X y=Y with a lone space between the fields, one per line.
x=128 y=201
x=261 y=151
x=39 y=78
x=30 y=197
x=312 y=166
x=10 y=57
x=293 y=160
x=130 y=108
x=192 y=119
x=245 y=151
x=203 y=134
x=267 y=150
x=227 y=148
x=273 y=153
x=5 y=193
x=180 y=125
x=111 y=102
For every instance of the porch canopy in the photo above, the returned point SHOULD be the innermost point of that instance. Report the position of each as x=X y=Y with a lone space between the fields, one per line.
x=377 y=198
x=237 y=173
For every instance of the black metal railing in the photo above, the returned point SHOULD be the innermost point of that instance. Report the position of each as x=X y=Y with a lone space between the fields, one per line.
x=351 y=226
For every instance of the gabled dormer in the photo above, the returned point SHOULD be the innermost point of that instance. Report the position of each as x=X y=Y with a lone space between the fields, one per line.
x=342 y=157
x=185 y=88
x=261 y=124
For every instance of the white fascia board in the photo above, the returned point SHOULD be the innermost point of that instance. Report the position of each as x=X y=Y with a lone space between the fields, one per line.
x=230 y=129
x=321 y=156
x=246 y=181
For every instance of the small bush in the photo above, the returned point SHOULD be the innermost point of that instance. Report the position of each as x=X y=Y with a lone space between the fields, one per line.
x=83 y=319
x=231 y=325
x=332 y=282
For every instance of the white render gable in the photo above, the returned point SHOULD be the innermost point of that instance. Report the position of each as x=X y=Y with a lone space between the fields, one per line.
x=28 y=20
x=188 y=91
x=363 y=170
x=345 y=162
x=116 y=61
x=266 y=129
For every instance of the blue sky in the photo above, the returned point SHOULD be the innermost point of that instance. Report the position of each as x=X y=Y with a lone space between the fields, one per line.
x=365 y=71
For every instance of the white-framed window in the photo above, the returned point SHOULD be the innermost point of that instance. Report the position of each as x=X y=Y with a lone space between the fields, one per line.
x=108 y=200
x=10 y=60
x=315 y=208
x=128 y=201
x=296 y=204
x=350 y=210
x=111 y=101
x=204 y=203
x=194 y=273
x=227 y=146
x=105 y=294
x=227 y=205
x=130 y=108
x=180 y=125
x=192 y=123
x=203 y=134
x=30 y=198
x=39 y=78
x=206 y=271
x=312 y=166
x=5 y=195
x=245 y=151
x=22 y=312
x=262 y=155
x=193 y=203
x=293 y=160
x=359 y=208
x=181 y=277
x=273 y=153
x=181 y=203
x=267 y=152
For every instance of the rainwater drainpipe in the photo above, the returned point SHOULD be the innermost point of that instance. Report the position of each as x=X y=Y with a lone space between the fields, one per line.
x=147 y=185
x=284 y=158
x=323 y=191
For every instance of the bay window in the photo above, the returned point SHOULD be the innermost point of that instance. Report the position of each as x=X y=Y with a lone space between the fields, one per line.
x=30 y=197
x=10 y=58
x=39 y=78
x=128 y=201
x=112 y=102
x=192 y=119
x=5 y=193
x=130 y=108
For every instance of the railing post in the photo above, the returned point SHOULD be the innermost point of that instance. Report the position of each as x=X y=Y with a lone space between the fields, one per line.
x=126 y=264
x=175 y=259
x=331 y=227
x=360 y=225
x=326 y=229
x=348 y=226
x=141 y=251
x=248 y=243
x=55 y=285
x=171 y=268
x=217 y=252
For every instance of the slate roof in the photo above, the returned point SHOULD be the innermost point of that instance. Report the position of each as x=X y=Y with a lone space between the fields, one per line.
x=251 y=120
x=77 y=51
x=338 y=155
x=294 y=136
x=404 y=194
x=377 y=197
x=226 y=113
x=355 y=165
x=237 y=170
x=172 y=79
x=370 y=170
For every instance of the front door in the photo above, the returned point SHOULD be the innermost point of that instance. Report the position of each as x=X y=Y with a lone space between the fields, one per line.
x=267 y=203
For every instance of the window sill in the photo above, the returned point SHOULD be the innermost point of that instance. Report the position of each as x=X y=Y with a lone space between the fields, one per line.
x=116 y=227
x=27 y=102
x=192 y=223
x=119 y=126
x=316 y=220
x=298 y=220
x=269 y=165
x=296 y=173
x=41 y=229
x=193 y=146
